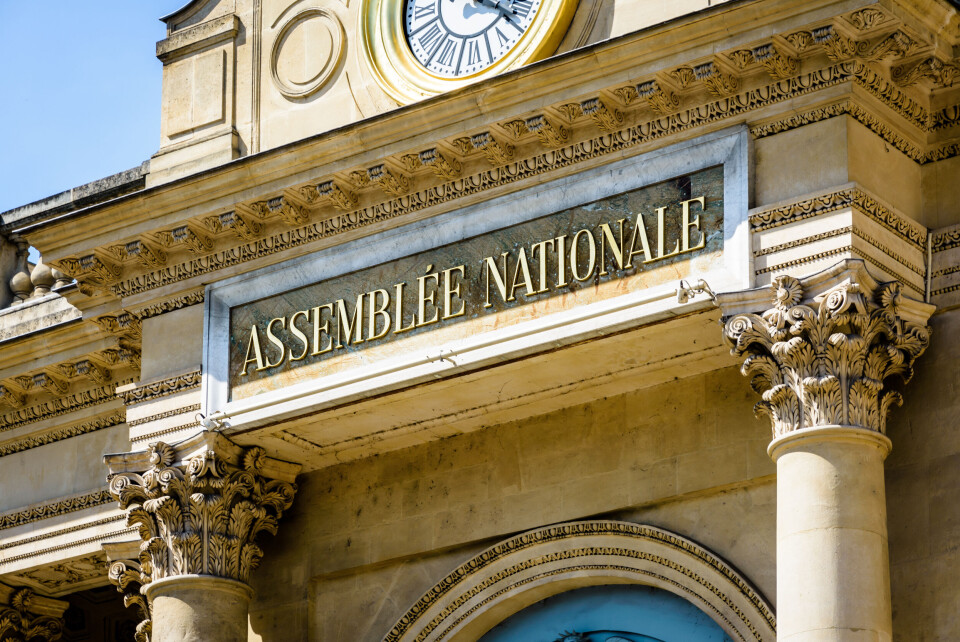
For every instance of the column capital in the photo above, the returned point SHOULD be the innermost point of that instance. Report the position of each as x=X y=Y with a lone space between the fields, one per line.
x=199 y=505
x=24 y=615
x=829 y=348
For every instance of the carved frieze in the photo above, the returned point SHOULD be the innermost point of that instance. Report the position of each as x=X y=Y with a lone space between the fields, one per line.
x=200 y=506
x=162 y=388
x=828 y=349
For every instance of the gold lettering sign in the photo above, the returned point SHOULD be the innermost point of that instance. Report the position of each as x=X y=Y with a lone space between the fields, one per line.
x=614 y=238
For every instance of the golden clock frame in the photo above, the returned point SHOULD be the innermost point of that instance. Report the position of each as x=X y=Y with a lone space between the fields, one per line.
x=384 y=47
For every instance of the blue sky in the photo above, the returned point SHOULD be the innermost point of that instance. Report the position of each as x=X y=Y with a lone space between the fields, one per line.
x=81 y=92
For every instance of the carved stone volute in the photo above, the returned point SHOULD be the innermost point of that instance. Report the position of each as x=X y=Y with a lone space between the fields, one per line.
x=28 y=617
x=200 y=504
x=828 y=350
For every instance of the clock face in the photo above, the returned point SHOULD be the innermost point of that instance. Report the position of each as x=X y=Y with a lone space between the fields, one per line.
x=457 y=38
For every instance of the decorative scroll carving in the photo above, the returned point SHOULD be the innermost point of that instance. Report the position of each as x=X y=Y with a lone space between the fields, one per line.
x=607 y=119
x=145 y=254
x=243 y=227
x=26 y=616
x=201 y=515
x=896 y=45
x=827 y=350
x=290 y=213
x=123 y=324
x=391 y=182
x=837 y=46
x=683 y=76
x=775 y=61
x=550 y=135
x=570 y=111
x=337 y=196
x=941 y=74
x=128 y=577
x=440 y=164
x=717 y=81
x=496 y=152
x=12 y=397
x=660 y=100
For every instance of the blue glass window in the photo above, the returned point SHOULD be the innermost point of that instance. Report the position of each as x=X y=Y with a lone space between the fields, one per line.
x=610 y=613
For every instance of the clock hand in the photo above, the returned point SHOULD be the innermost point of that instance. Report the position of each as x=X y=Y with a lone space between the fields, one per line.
x=499 y=5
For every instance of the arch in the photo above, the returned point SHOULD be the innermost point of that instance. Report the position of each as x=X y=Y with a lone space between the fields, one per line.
x=530 y=567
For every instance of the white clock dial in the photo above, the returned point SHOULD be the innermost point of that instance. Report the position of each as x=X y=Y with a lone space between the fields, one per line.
x=456 y=38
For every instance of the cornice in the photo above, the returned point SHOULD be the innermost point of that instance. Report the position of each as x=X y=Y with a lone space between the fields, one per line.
x=52 y=509
x=852 y=196
x=57 y=406
x=868 y=48
x=162 y=388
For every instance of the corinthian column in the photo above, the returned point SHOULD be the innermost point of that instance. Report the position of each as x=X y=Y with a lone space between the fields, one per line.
x=823 y=358
x=199 y=506
x=28 y=617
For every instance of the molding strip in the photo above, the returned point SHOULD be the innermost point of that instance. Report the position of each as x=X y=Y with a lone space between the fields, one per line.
x=61 y=507
x=162 y=388
x=35 y=441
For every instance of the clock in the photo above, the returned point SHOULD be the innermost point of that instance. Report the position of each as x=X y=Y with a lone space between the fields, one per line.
x=420 y=48
x=459 y=38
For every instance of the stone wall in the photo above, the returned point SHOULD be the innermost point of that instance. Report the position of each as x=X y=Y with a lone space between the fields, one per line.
x=364 y=540
x=923 y=480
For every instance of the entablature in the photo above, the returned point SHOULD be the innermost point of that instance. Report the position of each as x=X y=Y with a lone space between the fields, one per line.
x=482 y=140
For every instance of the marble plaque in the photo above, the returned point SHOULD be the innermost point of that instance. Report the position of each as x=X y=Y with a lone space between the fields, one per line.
x=583 y=253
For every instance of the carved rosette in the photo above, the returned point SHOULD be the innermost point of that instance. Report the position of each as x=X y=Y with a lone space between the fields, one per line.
x=827 y=353
x=200 y=513
x=28 y=617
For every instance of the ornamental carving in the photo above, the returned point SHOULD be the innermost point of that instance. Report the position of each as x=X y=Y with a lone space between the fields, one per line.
x=128 y=577
x=28 y=617
x=199 y=509
x=829 y=348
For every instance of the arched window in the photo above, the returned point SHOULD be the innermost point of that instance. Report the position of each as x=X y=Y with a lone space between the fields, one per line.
x=611 y=613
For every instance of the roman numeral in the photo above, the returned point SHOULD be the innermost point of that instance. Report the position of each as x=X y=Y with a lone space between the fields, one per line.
x=424 y=11
x=522 y=7
x=447 y=50
x=473 y=52
x=501 y=36
x=431 y=36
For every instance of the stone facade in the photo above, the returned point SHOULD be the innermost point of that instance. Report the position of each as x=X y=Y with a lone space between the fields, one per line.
x=359 y=356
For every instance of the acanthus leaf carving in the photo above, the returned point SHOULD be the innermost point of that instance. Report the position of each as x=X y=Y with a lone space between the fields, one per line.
x=896 y=45
x=662 y=101
x=775 y=61
x=941 y=74
x=718 y=82
x=837 y=46
x=440 y=164
x=497 y=153
x=337 y=196
x=390 y=181
x=288 y=212
x=607 y=119
x=201 y=515
x=24 y=615
x=828 y=357
x=553 y=136
x=129 y=578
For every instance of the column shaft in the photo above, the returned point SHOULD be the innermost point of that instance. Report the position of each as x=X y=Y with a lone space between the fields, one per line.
x=833 y=581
